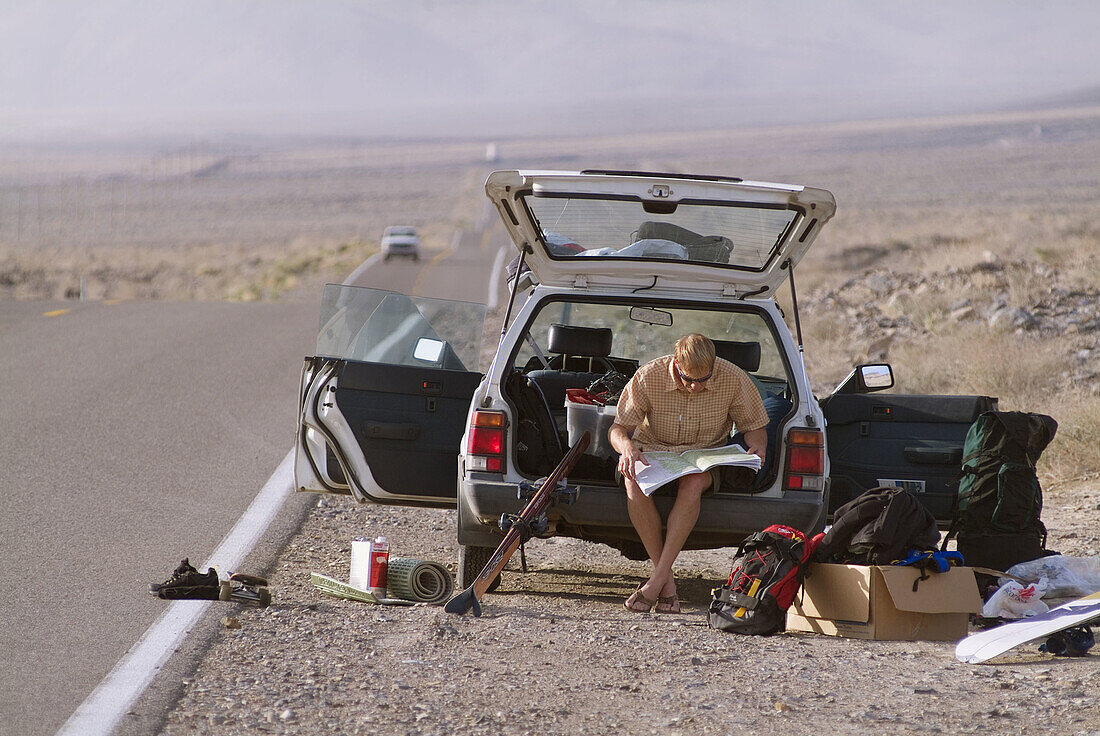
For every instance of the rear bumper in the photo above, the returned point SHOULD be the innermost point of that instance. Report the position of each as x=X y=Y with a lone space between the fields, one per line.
x=600 y=514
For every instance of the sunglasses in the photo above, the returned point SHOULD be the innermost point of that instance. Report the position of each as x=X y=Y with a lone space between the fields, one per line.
x=689 y=379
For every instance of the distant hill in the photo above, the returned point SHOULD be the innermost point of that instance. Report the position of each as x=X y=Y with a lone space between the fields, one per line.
x=1086 y=97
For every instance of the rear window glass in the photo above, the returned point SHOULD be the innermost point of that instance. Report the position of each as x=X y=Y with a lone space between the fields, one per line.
x=724 y=233
x=638 y=337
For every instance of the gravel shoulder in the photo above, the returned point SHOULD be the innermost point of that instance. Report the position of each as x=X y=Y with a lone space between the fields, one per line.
x=555 y=652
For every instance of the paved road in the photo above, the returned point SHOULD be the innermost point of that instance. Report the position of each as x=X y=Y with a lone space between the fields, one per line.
x=462 y=271
x=135 y=434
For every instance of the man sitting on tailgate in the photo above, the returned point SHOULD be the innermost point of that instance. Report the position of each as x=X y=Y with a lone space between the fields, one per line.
x=684 y=401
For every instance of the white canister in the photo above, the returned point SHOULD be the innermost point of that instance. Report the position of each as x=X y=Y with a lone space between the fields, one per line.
x=360 y=564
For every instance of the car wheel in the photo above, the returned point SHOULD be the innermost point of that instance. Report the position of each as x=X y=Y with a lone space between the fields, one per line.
x=386 y=258
x=471 y=561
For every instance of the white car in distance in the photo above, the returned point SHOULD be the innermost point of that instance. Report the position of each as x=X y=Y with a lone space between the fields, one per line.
x=400 y=240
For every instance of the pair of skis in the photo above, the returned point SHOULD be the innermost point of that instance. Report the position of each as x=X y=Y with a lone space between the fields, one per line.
x=517 y=533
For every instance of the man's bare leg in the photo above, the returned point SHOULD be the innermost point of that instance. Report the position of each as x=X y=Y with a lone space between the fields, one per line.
x=645 y=518
x=647 y=522
x=681 y=520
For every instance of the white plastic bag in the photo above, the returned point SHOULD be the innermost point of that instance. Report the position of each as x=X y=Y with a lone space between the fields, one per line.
x=1013 y=600
x=1066 y=577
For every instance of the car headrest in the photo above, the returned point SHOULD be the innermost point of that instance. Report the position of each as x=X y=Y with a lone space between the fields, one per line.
x=588 y=342
x=667 y=231
x=744 y=355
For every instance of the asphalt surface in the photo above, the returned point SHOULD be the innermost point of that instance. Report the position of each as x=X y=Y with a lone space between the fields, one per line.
x=134 y=435
x=461 y=271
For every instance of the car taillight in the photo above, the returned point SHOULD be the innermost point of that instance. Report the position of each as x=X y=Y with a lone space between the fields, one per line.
x=485 y=446
x=805 y=467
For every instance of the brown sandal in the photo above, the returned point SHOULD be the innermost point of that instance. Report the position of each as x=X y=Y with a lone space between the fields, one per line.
x=637 y=597
x=671 y=603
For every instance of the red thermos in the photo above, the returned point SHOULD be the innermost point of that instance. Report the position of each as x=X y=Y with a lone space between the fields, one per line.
x=379 y=566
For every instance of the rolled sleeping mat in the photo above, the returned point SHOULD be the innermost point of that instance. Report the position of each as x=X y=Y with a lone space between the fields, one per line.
x=417 y=580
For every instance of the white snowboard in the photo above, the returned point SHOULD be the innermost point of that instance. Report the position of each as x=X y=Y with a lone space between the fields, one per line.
x=986 y=645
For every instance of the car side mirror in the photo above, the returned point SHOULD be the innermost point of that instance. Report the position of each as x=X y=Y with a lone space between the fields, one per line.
x=876 y=377
x=867 y=378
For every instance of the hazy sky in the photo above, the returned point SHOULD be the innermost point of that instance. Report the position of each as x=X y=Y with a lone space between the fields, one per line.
x=427 y=67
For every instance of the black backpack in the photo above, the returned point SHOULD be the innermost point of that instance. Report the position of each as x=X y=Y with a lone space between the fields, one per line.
x=538 y=445
x=999 y=502
x=766 y=574
x=878 y=527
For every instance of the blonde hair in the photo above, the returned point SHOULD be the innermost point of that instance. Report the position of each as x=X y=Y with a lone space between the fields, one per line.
x=694 y=353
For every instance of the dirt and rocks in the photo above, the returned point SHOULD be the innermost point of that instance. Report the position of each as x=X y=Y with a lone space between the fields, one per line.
x=556 y=653
x=880 y=306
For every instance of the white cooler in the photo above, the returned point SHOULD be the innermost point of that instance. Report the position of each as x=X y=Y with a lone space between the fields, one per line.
x=597 y=420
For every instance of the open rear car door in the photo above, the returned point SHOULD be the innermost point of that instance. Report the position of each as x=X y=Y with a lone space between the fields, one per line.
x=910 y=441
x=383 y=403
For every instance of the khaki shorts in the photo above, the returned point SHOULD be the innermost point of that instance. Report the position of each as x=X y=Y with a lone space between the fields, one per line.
x=670 y=487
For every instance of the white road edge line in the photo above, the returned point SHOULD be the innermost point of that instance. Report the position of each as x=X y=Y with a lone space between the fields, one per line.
x=361 y=268
x=494 y=279
x=101 y=712
x=104 y=708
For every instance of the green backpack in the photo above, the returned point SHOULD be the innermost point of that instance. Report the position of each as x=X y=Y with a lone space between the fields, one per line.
x=999 y=502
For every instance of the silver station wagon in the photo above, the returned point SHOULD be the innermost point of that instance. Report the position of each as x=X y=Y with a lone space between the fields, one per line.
x=612 y=268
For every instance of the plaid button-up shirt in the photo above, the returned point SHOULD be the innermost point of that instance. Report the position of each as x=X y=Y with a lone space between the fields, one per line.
x=663 y=415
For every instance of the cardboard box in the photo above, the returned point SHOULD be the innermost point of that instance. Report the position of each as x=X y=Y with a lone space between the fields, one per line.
x=879 y=603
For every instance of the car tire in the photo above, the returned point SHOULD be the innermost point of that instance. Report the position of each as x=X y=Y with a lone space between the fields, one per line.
x=386 y=258
x=471 y=561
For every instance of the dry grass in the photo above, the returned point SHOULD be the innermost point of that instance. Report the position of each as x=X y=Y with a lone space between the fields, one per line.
x=1023 y=372
x=1073 y=456
x=284 y=275
x=829 y=351
x=201 y=272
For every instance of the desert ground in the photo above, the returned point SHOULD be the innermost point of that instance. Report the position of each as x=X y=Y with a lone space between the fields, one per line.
x=965 y=251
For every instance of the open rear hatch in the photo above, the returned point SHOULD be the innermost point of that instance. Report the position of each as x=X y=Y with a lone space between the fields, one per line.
x=738 y=238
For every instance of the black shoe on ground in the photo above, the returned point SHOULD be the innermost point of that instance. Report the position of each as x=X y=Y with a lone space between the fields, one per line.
x=187 y=582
